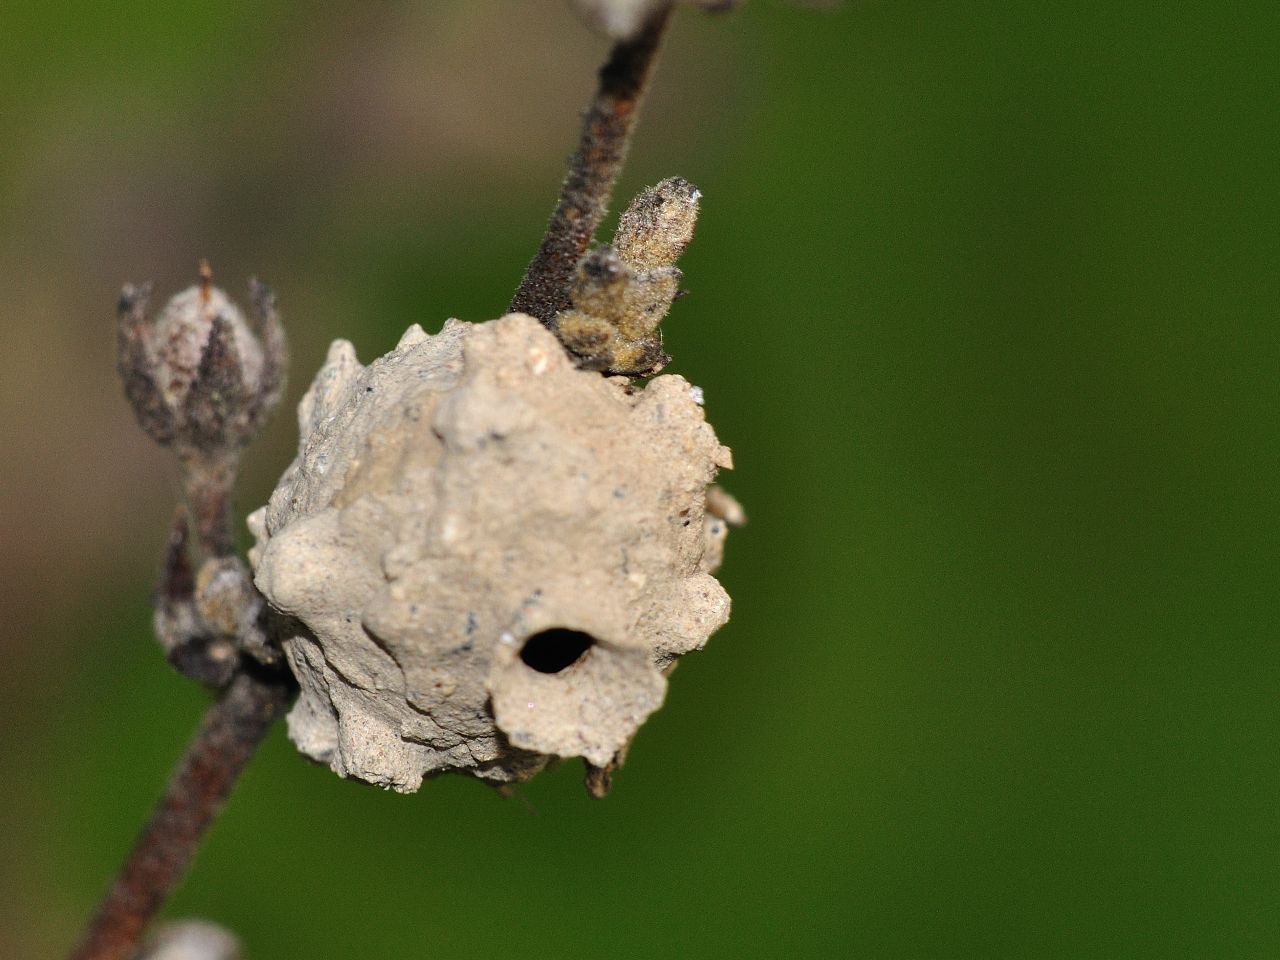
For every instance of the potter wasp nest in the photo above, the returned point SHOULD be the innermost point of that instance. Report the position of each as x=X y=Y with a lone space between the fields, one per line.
x=488 y=557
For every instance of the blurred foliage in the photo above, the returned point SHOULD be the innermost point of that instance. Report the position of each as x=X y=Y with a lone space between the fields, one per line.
x=984 y=300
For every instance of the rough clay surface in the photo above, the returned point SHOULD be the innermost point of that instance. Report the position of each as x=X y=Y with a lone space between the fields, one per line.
x=458 y=496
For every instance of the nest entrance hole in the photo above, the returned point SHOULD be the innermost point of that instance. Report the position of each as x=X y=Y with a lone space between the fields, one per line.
x=557 y=649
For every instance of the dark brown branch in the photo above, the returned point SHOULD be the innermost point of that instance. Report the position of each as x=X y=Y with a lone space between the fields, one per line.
x=228 y=736
x=593 y=170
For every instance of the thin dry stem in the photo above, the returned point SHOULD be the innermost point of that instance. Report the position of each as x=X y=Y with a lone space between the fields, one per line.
x=208 y=488
x=593 y=171
x=228 y=736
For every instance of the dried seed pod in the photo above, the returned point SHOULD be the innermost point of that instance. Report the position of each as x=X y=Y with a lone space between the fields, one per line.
x=491 y=557
x=199 y=378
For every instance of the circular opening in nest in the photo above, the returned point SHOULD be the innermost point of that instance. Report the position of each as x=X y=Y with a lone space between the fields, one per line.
x=551 y=651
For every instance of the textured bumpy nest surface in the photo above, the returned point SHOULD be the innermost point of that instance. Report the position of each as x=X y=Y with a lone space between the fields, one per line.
x=493 y=558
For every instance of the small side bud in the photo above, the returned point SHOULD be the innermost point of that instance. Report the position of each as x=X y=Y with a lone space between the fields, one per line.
x=223 y=594
x=231 y=609
x=649 y=298
x=584 y=335
x=600 y=283
x=658 y=225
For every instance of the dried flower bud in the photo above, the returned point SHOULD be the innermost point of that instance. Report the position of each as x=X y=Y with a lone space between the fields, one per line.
x=622 y=19
x=200 y=379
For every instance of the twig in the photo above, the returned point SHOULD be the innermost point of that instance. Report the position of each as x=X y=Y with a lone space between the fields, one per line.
x=593 y=170
x=208 y=488
x=228 y=736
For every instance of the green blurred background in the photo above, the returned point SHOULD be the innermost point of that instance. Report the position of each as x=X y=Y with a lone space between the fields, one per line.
x=984 y=299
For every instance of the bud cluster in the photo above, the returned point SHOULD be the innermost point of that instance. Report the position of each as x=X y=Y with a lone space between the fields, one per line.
x=206 y=618
x=622 y=292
